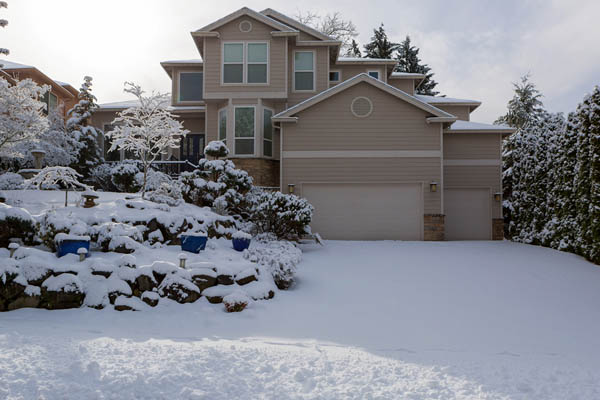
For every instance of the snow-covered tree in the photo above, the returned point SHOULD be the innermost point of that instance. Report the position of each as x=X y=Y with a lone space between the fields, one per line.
x=64 y=177
x=354 y=50
x=525 y=106
x=588 y=176
x=148 y=131
x=78 y=125
x=332 y=25
x=21 y=114
x=380 y=46
x=3 y=24
x=409 y=61
x=60 y=146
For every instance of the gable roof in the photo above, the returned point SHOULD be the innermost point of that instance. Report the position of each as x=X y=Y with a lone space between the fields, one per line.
x=251 y=13
x=8 y=66
x=296 y=24
x=439 y=115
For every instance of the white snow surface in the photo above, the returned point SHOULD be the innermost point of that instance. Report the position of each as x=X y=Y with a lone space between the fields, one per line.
x=476 y=126
x=367 y=320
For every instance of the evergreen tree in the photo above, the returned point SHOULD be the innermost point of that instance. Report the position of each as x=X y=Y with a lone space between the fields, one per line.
x=409 y=61
x=90 y=154
x=3 y=24
x=588 y=177
x=380 y=46
x=354 y=50
x=525 y=106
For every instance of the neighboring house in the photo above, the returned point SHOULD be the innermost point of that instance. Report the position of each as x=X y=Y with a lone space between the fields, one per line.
x=376 y=160
x=60 y=94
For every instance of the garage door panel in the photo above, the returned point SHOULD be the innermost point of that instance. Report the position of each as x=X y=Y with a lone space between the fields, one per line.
x=468 y=214
x=376 y=211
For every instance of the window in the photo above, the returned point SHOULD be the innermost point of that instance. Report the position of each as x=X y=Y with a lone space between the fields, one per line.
x=233 y=63
x=223 y=125
x=267 y=133
x=245 y=62
x=374 y=74
x=257 y=63
x=244 y=130
x=112 y=155
x=304 y=70
x=334 y=76
x=51 y=102
x=190 y=86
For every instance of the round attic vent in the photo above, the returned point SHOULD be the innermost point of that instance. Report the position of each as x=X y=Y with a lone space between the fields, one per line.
x=245 y=26
x=361 y=107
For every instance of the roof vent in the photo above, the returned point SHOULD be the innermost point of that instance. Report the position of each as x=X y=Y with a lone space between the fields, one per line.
x=245 y=26
x=361 y=107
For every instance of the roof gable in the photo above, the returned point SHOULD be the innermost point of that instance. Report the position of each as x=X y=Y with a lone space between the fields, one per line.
x=438 y=115
x=245 y=11
x=295 y=24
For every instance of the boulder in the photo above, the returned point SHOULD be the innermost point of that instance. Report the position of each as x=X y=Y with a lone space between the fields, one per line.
x=143 y=283
x=246 y=276
x=215 y=294
x=62 y=292
x=27 y=300
x=179 y=289
x=150 y=298
x=11 y=290
x=160 y=269
x=236 y=301
x=125 y=303
x=203 y=278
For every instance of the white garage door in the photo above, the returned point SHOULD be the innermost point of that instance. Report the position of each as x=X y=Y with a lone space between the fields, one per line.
x=366 y=211
x=468 y=214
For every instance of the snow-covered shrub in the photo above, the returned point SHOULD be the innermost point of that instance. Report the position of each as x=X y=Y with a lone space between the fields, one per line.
x=154 y=179
x=287 y=216
x=123 y=176
x=236 y=301
x=57 y=221
x=62 y=177
x=101 y=177
x=217 y=184
x=166 y=194
x=11 y=181
x=111 y=235
x=216 y=149
x=279 y=257
x=16 y=223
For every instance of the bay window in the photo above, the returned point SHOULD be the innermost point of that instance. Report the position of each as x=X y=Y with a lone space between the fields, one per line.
x=304 y=71
x=267 y=133
x=244 y=130
x=223 y=125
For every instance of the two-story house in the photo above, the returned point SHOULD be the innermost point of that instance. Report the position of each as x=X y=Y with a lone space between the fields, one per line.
x=375 y=159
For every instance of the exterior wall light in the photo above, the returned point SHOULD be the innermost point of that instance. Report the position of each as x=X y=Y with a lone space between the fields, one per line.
x=433 y=186
x=291 y=188
x=497 y=196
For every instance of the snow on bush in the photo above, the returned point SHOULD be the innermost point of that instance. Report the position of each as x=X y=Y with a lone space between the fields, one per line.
x=287 y=216
x=236 y=301
x=11 y=181
x=241 y=235
x=280 y=258
x=216 y=149
x=16 y=223
x=123 y=176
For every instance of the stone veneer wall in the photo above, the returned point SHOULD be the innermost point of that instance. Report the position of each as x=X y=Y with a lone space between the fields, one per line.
x=497 y=229
x=433 y=227
x=265 y=172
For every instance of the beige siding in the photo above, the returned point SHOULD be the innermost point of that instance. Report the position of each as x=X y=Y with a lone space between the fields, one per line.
x=365 y=170
x=277 y=62
x=472 y=146
x=406 y=85
x=194 y=125
x=212 y=120
x=393 y=125
x=322 y=73
x=461 y=112
x=348 y=71
x=476 y=177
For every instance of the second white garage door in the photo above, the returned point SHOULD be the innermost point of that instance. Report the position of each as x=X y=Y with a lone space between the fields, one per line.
x=366 y=211
x=468 y=214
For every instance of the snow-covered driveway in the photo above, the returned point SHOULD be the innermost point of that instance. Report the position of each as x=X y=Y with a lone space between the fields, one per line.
x=377 y=320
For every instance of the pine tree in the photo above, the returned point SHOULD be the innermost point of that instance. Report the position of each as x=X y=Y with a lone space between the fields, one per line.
x=524 y=107
x=380 y=46
x=409 y=61
x=354 y=50
x=3 y=24
x=90 y=154
x=588 y=177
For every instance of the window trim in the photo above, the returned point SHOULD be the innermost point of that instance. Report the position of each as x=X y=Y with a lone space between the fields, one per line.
x=375 y=70
x=235 y=107
x=189 y=71
x=272 y=140
x=314 y=72
x=224 y=109
x=339 y=72
x=245 y=62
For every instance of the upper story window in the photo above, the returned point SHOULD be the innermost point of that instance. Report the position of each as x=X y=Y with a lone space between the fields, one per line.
x=223 y=125
x=190 y=86
x=245 y=62
x=334 y=76
x=244 y=130
x=374 y=74
x=304 y=71
x=267 y=133
x=51 y=102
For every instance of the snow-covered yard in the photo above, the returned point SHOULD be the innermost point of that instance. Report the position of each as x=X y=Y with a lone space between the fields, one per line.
x=377 y=320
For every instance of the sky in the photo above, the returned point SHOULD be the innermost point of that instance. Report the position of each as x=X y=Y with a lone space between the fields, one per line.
x=476 y=48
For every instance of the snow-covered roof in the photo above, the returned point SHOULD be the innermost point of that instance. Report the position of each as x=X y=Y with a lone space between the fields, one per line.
x=191 y=61
x=117 y=105
x=366 y=60
x=448 y=101
x=408 y=75
x=13 y=65
x=251 y=13
x=468 y=126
